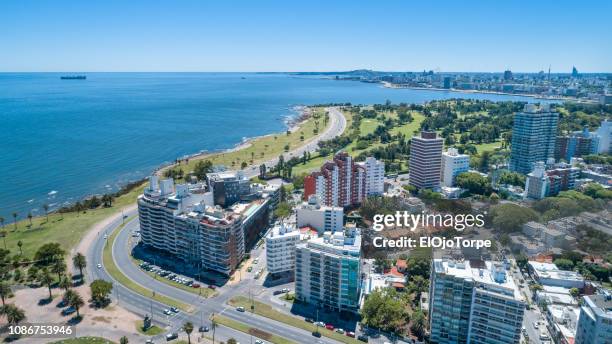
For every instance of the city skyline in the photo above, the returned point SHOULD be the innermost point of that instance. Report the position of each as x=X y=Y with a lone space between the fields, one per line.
x=274 y=36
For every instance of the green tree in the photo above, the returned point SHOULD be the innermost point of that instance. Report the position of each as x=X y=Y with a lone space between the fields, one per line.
x=14 y=314
x=80 y=262
x=15 y=214
x=188 y=328
x=597 y=191
x=46 y=209
x=202 y=168
x=75 y=300
x=20 y=245
x=46 y=279
x=232 y=341
x=4 y=234
x=574 y=292
x=385 y=310
x=59 y=268
x=5 y=291
x=100 y=290
x=417 y=323
x=564 y=264
x=283 y=210
x=48 y=254
x=30 y=218
x=123 y=340
x=65 y=282
x=510 y=217
x=474 y=183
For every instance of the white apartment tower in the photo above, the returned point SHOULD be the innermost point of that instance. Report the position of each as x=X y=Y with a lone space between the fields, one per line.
x=280 y=248
x=375 y=176
x=328 y=270
x=453 y=164
x=320 y=217
x=595 y=321
x=474 y=303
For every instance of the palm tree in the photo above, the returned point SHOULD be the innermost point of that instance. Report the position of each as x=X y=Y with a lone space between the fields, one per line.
x=14 y=314
x=5 y=291
x=30 y=218
x=80 y=262
x=46 y=208
x=65 y=282
x=213 y=324
x=1 y=222
x=15 y=214
x=188 y=327
x=3 y=234
x=58 y=267
x=123 y=340
x=45 y=279
x=77 y=302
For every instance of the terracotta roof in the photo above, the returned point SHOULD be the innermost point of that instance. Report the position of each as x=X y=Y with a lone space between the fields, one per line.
x=401 y=263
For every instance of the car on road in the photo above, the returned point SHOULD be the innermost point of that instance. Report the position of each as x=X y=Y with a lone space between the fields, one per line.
x=317 y=334
x=277 y=292
x=105 y=236
x=285 y=290
x=68 y=311
x=167 y=312
x=240 y=309
x=149 y=341
x=363 y=338
x=351 y=334
x=171 y=336
x=174 y=309
x=203 y=329
x=339 y=330
x=536 y=325
x=259 y=341
x=99 y=266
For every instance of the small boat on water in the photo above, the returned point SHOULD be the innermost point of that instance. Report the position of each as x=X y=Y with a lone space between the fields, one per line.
x=73 y=77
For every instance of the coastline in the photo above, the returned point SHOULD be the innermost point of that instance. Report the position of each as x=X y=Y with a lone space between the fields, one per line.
x=387 y=84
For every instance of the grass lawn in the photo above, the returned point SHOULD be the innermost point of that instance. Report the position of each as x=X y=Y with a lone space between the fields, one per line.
x=368 y=125
x=269 y=312
x=66 y=229
x=267 y=147
x=238 y=326
x=409 y=128
x=488 y=146
x=151 y=331
x=113 y=270
x=84 y=340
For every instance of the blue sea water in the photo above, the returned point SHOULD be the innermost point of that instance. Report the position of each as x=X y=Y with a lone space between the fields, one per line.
x=61 y=140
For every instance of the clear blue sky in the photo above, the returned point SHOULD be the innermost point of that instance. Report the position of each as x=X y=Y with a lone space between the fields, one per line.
x=260 y=35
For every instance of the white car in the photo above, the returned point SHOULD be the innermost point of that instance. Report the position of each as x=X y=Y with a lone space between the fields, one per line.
x=99 y=266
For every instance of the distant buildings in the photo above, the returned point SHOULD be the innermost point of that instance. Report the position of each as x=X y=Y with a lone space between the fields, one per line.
x=604 y=133
x=595 y=322
x=425 y=160
x=533 y=137
x=343 y=183
x=508 y=75
x=577 y=144
x=542 y=183
x=474 y=302
x=186 y=223
x=328 y=270
x=453 y=164
x=320 y=217
x=280 y=249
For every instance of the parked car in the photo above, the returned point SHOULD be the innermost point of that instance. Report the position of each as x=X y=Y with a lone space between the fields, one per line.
x=167 y=312
x=329 y=326
x=351 y=334
x=259 y=341
x=171 y=336
x=285 y=290
x=240 y=309
x=320 y=323
x=203 y=329
x=174 y=309
x=308 y=320
x=339 y=330
x=277 y=292
x=363 y=338
x=195 y=285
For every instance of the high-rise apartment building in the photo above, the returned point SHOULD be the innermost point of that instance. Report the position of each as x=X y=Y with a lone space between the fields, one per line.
x=280 y=248
x=228 y=187
x=533 y=137
x=542 y=183
x=340 y=182
x=595 y=321
x=425 y=160
x=604 y=133
x=320 y=217
x=186 y=224
x=474 y=302
x=375 y=176
x=453 y=164
x=328 y=270
x=576 y=145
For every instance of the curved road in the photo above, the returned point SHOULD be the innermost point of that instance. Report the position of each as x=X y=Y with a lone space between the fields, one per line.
x=203 y=307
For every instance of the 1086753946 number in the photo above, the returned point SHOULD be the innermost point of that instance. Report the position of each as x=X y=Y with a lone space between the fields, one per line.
x=42 y=330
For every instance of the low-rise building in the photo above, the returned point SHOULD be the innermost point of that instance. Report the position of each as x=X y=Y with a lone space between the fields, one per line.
x=549 y=274
x=453 y=164
x=320 y=217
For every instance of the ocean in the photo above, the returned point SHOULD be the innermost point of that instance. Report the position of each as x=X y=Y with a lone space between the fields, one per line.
x=61 y=140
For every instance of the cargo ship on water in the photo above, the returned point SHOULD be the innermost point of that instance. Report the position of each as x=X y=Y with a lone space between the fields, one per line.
x=73 y=77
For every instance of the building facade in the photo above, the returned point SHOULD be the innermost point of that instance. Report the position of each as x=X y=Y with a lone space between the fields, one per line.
x=453 y=164
x=320 y=217
x=340 y=182
x=595 y=321
x=474 y=302
x=375 y=176
x=280 y=249
x=425 y=160
x=328 y=270
x=533 y=137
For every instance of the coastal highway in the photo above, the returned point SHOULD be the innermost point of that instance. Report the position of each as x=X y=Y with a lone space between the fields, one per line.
x=336 y=128
x=205 y=307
